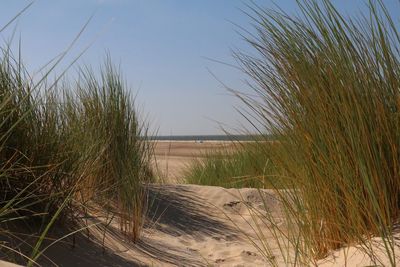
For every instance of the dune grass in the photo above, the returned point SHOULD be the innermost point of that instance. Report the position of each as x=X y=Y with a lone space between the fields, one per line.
x=246 y=165
x=328 y=87
x=108 y=124
x=66 y=148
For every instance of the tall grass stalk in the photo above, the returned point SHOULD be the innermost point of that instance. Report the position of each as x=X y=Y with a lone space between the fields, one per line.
x=107 y=124
x=329 y=89
x=66 y=147
x=245 y=165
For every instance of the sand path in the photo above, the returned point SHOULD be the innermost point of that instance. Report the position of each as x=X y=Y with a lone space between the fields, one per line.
x=187 y=225
x=195 y=226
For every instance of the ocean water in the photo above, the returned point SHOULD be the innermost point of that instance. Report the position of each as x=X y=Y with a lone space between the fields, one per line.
x=204 y=137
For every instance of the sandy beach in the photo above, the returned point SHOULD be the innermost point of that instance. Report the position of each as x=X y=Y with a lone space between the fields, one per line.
x=190 y=225
x=171 y=157
x=187 y=225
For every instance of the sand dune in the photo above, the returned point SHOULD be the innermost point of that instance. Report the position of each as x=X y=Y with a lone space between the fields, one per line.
x=194 y=226
x=187 y=225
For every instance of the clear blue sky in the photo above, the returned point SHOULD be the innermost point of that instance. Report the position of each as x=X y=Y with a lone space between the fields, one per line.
x=161 y=46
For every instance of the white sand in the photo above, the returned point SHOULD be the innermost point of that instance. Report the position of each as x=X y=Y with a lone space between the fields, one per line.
x=8 y=264
x=197 y=226
x=357 y=257
x=192 y=225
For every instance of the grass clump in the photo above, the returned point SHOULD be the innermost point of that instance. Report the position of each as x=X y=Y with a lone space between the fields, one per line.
x=66 y=148
x=246 y=165
x=329 y=89
x=115 y=141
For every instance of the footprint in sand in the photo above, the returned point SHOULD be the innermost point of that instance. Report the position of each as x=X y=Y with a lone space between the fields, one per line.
x=230 y=237
x=236 y=206
x=219 y=260
x=231 y=204
x=192 y=249
x=217 y=238
x=249 y=255
x=184 y=242
x=224 y=238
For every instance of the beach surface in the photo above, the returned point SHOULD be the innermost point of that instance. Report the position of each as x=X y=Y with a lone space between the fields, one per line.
x=190 y=225
x=198 y=226
x=186 y=225
x=172 y=157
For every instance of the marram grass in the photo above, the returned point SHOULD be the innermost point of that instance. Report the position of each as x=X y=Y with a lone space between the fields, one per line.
x=330 y=90
x=66 y=147
x=245 y=165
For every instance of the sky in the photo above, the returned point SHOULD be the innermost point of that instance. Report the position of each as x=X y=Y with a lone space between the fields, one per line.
x=167 y=50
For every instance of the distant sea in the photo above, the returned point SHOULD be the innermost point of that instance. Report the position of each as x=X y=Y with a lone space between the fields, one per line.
x=204 y=137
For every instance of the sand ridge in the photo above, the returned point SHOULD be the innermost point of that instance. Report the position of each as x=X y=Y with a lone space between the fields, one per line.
x=186 y=225
x=197 y=226
x=191 y=225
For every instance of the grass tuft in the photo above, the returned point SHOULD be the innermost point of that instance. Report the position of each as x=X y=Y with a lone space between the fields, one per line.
x=66 y=148
x=246 y=165
x=329 y=86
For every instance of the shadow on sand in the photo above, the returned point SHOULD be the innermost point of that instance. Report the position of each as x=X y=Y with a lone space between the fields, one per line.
x=174 y=210
x=71 y=251
x=178 y=210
